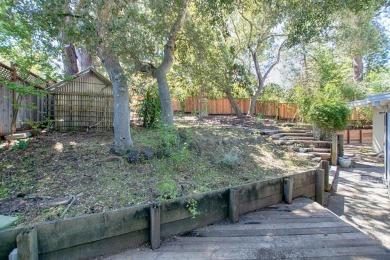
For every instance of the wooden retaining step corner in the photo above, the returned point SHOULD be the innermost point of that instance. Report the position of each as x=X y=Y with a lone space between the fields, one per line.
x=323 y=156
x=268 y=131
x=277 y=136
x=18 y=136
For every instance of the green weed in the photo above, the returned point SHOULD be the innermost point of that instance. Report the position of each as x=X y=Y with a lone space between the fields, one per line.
x=192 y=207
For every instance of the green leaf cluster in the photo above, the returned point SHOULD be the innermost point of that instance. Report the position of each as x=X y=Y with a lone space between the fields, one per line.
x=150 y=109
x=330 y=116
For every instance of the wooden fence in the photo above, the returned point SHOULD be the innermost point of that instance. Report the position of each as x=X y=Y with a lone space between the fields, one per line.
x=222 y=107
x=271 y=109
x=106 y=233
x=8 y=98
x=358 y=136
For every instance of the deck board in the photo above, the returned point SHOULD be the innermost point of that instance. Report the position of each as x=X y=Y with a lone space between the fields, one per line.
x=303 y=229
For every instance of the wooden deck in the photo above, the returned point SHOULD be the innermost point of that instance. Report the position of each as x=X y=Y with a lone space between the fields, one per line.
x=303 y=229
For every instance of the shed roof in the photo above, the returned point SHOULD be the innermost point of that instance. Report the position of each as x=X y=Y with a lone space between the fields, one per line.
x=378 y=101
x=80 y=75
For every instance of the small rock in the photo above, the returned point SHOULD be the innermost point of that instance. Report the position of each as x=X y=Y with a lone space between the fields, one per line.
x=133 y=156
x=182 y=135
x=235 y=141
x=147 y=152
x=194 y=146
x=225 y=142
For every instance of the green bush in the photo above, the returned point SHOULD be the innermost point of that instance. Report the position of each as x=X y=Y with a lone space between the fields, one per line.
x=167 y=189
x=150 y=109
x=330 y=116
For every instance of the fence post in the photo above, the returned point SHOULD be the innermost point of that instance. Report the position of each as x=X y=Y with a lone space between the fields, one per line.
x=288 y=184
x=320 y=186
x=234 y=205
x=325 y=167
x=155 y=226
x=340 y=144
x=27 y=243
x=334 y=150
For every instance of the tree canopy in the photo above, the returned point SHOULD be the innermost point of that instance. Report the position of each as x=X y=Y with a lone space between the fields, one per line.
x=200 y=47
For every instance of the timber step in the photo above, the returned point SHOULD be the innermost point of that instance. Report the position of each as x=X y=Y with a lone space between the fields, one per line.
x=323 y=156
x=314 y=142
x=297 y=138
x=280 y=135
x=320 y=150
x=295 y=131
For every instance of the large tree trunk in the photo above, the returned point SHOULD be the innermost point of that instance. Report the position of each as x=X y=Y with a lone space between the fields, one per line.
x=162 y=70
x=260 y=77
x=260 y=85
x=122 y=140
x=252 y=106
x=84 y=58
x=200 y=106
x=233 y=103
x=165 y=96
x=70 y=60
x=358 y=69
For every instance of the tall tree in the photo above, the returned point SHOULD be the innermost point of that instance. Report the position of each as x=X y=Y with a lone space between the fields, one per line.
x=358 y=36
x=259 y=26
x=84 y=57
x=100 y=27
x=160 y=73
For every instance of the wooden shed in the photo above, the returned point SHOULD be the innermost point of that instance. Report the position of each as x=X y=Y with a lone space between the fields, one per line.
x=31 y=108
x=85 y=102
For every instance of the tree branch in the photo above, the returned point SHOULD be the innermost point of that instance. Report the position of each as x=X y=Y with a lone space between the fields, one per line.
x=250 y=29
x=169 y=47
x=260 y=78
x=277 y=59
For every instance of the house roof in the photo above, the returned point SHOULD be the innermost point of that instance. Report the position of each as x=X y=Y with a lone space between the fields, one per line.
x=378 y=101
x=79 y=75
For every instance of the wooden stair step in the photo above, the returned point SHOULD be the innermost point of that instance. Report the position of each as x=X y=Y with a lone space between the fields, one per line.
x=314 y=142
x=298 y=137
x=307 y=155
x=323 y=156
x=321 y=150
x=279 y=142
x=292 y=136
x=294 y=131
x=277 y=136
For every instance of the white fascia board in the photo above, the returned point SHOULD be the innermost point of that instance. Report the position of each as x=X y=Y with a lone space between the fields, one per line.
x=378 y=101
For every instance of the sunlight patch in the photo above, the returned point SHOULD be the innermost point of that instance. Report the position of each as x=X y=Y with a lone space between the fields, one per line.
x=59 y=147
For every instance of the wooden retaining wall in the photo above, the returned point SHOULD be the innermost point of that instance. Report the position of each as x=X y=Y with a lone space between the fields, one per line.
x=105 y=233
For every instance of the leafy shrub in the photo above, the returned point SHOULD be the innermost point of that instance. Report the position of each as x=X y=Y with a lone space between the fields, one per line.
x=21 y=144
x=167 y=189
x=229 y=159
x=329 y=116
x=150 y=109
